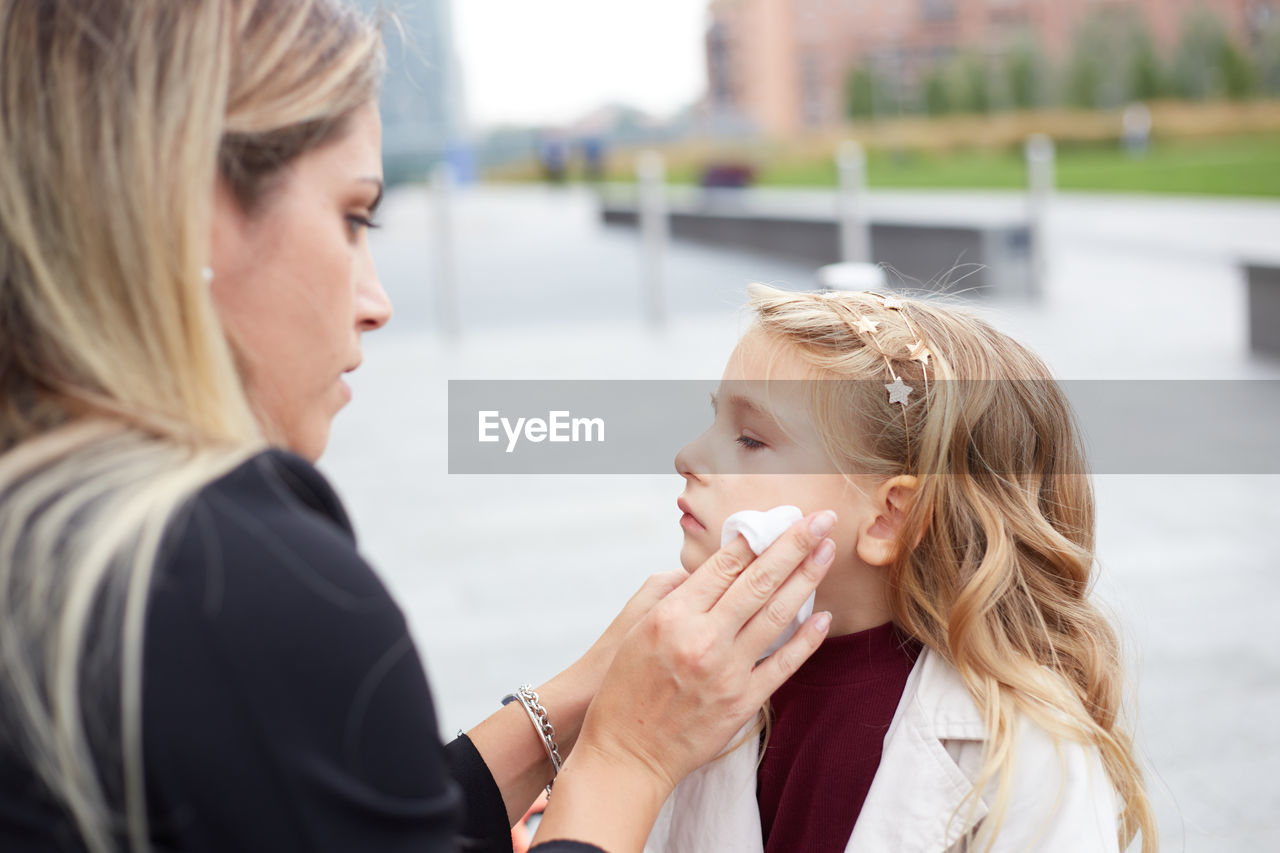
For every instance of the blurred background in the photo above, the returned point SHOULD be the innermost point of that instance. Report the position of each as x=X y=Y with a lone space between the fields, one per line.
x=583 y=190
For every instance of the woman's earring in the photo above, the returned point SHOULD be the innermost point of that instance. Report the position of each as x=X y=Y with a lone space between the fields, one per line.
x=207 y=272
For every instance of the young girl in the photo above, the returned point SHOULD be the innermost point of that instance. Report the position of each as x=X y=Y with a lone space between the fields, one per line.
x=968 y=695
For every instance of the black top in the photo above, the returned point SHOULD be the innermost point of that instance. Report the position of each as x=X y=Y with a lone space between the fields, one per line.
x=284 y=704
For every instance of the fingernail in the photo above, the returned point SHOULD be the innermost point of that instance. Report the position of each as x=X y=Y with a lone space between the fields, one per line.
x=822 y=523
x=826 y=551
x=822 y=621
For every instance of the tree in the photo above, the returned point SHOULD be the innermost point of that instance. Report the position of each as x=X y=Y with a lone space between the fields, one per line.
x=1239 y=77
x=1208 y=64
x=1113 y=61
x=937 y=92
x=860 y=92
x=977 y=75
x=1027 y=75
x=1148 y=76
x=1269 y=59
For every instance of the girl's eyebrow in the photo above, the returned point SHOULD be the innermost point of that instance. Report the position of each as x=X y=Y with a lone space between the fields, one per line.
x=745 y=404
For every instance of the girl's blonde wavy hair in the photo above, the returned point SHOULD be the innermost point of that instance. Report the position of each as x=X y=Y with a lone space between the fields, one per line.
x=119 y=394
x=999 y=581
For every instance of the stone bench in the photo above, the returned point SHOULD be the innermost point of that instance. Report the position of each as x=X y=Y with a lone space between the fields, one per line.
x=984 y=256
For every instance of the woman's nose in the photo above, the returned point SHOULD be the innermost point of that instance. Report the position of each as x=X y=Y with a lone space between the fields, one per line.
x=373 y=306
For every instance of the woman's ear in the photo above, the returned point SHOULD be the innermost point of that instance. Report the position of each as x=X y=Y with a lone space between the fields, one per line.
x=230 y=232
x=878 y=539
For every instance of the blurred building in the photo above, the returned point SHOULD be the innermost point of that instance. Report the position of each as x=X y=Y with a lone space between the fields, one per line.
x=784 y=64
x=422 y=94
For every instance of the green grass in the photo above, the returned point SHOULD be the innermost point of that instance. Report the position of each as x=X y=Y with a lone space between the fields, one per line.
x=1242 y=165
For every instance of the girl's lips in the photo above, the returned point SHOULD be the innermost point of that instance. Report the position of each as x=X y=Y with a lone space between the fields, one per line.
x=689 y=521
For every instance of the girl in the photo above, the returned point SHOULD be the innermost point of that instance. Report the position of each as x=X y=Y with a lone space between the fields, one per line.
x=968 y=695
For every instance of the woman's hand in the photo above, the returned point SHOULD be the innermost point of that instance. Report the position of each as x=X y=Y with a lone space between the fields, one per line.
x=588 y=672
x=509 y=744
x=684 y=681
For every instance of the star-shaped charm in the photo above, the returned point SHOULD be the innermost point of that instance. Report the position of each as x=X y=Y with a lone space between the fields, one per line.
x=866 y=325
x=919 y=352
x=890 y=302
x=898 y=391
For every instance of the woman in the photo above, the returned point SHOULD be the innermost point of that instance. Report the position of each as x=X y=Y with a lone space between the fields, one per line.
x=194 y=655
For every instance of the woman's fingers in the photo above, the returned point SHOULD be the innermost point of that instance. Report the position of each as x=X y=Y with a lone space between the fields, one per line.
x=763 y=629
x=654 y=589
x=727 y=568
x=782 y=664
x=682 y=683
x=597 y=659
x=756 y=585
x=708 y=582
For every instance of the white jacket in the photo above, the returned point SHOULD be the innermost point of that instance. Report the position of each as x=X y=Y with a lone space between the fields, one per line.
x=1061 y=799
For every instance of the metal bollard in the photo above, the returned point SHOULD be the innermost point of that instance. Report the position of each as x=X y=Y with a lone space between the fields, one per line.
x=651 y=180
x=855 y=230
x=447 y=308
x=1040 y=182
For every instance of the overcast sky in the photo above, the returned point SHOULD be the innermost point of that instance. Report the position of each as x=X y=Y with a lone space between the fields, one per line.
x=550 y=61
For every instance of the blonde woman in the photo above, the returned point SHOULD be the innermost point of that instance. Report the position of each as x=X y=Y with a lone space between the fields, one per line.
x=193 y=655
x=968 y=696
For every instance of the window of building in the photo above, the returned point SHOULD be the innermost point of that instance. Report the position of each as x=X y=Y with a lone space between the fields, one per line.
x=719 y=71
x=812 y=101
x=937 y=10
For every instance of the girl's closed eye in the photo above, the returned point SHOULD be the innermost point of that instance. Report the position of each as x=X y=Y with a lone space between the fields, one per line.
x=749 y=443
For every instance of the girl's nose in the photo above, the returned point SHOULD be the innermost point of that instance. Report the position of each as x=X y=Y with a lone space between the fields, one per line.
x=689 y=462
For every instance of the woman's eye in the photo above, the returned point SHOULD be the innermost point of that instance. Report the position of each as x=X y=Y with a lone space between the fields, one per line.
x=355 y=221
x=749 y=443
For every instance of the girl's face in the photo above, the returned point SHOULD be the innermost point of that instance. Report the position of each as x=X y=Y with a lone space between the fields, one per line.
x=295 y=285
x=761 y=451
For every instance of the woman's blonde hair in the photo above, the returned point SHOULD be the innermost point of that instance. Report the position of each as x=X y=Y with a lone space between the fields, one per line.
x=119 y=394
x=999 y=581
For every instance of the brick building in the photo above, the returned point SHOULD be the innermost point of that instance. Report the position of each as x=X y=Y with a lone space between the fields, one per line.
x=783 y=64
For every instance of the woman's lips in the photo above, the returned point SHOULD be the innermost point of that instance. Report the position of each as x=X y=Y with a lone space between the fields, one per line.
x=689 y=521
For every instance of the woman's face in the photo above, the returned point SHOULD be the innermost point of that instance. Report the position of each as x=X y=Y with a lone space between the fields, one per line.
x=295 y=285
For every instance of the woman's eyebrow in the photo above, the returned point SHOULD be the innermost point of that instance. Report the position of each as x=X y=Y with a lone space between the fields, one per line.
x=377 y=200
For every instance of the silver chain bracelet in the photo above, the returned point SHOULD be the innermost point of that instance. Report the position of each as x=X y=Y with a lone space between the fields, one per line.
x=528 y=700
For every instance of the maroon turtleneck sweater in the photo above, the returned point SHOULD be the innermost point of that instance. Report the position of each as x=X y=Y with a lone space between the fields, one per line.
x=830 y=719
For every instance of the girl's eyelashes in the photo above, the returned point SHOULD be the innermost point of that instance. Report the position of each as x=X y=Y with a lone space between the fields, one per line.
x=749 y=443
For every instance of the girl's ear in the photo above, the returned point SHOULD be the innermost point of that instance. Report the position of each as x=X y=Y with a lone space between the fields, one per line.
x=878 y=539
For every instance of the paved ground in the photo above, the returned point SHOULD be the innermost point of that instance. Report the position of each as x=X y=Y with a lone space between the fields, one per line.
x=506 y=579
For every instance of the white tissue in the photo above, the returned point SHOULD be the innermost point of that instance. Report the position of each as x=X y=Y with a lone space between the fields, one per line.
x=762 y=529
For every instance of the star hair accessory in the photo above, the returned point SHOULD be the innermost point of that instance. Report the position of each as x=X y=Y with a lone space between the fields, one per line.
x=899 y=391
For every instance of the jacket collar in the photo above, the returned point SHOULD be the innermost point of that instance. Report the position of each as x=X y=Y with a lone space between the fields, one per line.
x=918 y=801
